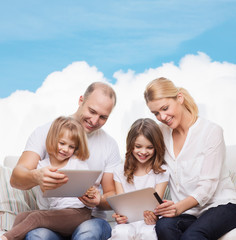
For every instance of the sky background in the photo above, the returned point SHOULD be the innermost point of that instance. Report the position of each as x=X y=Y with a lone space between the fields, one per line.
x=51 y=50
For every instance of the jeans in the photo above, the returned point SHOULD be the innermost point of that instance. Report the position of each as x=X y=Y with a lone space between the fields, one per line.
x=93 y=229
x=211 y=225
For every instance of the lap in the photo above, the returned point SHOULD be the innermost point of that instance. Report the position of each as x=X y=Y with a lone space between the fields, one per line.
x=95 y=228
x=213 y=224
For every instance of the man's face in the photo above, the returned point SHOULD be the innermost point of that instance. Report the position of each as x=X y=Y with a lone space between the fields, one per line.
x=95 y=110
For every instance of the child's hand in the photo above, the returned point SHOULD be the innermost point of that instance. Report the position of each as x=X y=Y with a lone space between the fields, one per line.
x=120 y=219
x=92 y=193
x=91 y=198
x=149 y=217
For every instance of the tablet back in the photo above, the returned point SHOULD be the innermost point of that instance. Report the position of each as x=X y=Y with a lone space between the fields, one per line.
x=133 y=204
x=79 y=182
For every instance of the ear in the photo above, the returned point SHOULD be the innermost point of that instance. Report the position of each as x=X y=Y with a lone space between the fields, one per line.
x=180 y=97
x=81 y=99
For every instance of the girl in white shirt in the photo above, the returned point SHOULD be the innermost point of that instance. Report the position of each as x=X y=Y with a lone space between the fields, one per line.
x=66 y=145
x=143 y=168
x=203 y=202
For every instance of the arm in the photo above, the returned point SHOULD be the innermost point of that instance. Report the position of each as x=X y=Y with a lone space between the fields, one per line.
x=119 y=188
x=26 y=175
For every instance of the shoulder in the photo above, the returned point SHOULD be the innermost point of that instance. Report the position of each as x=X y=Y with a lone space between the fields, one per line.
x=119 y=170
x=208 y=126
x=42 y=130
x=44 y=127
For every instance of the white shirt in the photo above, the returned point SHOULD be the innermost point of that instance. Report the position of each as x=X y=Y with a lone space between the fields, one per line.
x=148 y=180
x=103 y=150
x=199 y=170
x=56 y=202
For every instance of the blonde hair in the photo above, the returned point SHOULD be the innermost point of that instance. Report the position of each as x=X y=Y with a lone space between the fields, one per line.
x=164 y=88
x=150 y=130
x=76 y=133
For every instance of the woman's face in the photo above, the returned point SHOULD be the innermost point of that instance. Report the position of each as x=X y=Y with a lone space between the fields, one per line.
x=168 y=110
x=143 y=149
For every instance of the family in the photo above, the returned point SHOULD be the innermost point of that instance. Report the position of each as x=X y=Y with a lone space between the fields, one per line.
x=181 y=150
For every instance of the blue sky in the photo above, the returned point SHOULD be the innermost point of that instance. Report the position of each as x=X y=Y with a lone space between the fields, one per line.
x=40 y=37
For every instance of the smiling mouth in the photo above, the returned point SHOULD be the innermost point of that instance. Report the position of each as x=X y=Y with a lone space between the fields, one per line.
x=168 y=122
x=142 y=157
x=89 y=125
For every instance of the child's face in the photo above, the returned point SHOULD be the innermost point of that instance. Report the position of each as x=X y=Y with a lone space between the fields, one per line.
x=143 y=149
x=66 y=146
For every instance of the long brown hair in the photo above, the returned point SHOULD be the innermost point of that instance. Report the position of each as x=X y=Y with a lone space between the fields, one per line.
x=150 y=130
x=77 y=134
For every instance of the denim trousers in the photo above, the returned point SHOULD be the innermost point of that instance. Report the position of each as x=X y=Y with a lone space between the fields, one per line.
x=211 y=225
x=93 y=229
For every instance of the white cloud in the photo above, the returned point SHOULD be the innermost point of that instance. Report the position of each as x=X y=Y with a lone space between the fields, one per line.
x=212 y=84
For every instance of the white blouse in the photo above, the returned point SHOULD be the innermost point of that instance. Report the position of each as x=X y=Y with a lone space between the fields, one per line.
x=199 y=170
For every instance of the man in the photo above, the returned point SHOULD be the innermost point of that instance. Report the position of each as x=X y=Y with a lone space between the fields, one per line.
x=94 y=109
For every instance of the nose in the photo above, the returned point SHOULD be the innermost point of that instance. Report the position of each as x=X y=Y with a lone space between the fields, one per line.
x=142 y=150
x=95 y=120
x=162 y=116
x=65 y=148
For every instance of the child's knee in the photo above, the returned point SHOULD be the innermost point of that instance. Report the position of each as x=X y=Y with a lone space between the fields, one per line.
x=121 y=231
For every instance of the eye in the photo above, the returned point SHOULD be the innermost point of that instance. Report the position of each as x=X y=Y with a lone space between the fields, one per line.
x=156 y=113
x=72 y=147
x=61 y=143
x=103 y=117
x=137 y=146
x=150 y=147
x=92 y=111
x=165 y=108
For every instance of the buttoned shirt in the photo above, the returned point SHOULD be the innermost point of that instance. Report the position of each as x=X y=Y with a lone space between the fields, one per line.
x=199 y=170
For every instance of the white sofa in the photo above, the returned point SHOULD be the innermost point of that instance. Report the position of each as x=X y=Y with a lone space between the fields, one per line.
x=13 y=200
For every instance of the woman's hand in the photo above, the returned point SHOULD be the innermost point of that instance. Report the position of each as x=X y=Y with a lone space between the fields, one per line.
x=150 y=218
x=166 y=209
x=120 y=219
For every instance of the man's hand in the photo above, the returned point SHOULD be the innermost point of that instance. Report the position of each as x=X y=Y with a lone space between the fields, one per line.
x=120 y=219
x=48 y=178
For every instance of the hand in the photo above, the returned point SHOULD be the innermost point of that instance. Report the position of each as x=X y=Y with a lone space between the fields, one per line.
x=166 y=209
x=92 y=193
x=149 y=217
x=48 y=178
x=91 y=198
x=120 y=219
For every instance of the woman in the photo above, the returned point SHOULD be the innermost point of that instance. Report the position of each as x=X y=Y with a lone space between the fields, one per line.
x=203 y=202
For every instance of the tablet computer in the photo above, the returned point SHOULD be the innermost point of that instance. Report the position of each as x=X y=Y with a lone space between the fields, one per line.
x=133 y=204
x=79 y=182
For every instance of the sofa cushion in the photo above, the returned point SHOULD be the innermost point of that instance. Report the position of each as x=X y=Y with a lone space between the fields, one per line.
x=12 y=201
